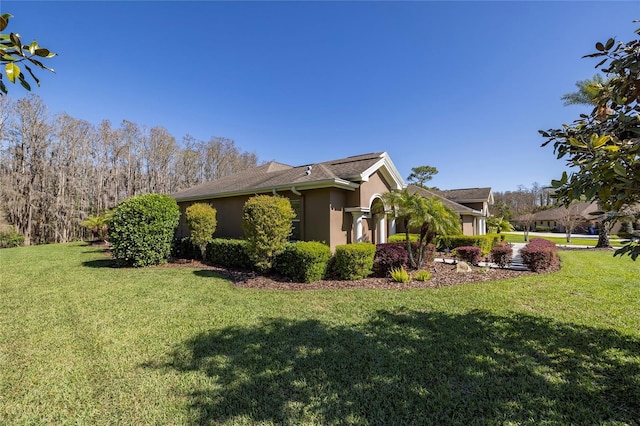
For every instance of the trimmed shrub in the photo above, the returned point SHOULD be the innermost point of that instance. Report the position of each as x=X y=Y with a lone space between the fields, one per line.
x=469 y=254
x=501 y=254
x=10 y=238
x=304 y=261
x=354 y=261
x=396 y=238
x=183 y=248
x=229 y=253
x=266 y=222
x=484 y=242
x=141 y=229
x=390 y=256
x=400 y=275
x=201 y=220
x=540 y=255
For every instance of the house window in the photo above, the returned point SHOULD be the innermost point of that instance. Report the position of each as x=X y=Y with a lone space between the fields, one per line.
x=296 y=233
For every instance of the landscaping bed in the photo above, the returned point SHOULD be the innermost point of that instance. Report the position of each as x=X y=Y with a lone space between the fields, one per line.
x=442 y=274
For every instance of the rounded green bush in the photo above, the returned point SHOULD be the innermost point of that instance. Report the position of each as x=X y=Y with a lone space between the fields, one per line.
x=355 y=261
x=266 y=222
x=304 y=261
x=142 y=228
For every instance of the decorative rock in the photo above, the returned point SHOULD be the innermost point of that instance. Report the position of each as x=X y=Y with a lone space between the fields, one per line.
x=463 y=267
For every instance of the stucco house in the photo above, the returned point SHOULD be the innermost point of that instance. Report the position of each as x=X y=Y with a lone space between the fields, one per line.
x=334 y=200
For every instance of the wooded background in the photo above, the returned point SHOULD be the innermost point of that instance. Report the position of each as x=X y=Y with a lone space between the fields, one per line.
x=57 y=170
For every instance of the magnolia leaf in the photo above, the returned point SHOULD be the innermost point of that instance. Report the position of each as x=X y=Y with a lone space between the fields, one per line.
x=575 y=142
x=619 y=169
x=609 y=43
x=15 y=39
x=44 y=53
x=33 y=75
x=600 y=46
x=3 y=88
x=33 y=46
x=612 y=148
x=4 y=21
x=12 y=71
x=23 y=82
x=598 y=142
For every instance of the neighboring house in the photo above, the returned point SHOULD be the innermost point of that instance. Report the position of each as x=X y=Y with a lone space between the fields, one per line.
x=476 y=199
x=578 y=216
x=336 y=202
x=473 y=221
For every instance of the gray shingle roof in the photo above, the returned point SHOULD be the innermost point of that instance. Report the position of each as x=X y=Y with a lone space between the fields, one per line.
x=466 y=194
x=344 y=172
x=458 y=208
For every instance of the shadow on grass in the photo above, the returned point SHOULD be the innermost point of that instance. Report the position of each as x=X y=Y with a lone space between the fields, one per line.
x=412 y=367
x=208 y=274
x=100 y=263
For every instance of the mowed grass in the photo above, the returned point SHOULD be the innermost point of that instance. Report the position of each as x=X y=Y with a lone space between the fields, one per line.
x=82 y=342
x=561 y=239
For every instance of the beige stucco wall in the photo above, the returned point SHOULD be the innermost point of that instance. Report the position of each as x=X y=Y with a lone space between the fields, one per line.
x=468 y=225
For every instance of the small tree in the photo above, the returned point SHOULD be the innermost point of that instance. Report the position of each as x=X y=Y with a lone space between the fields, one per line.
x=499 y=224
x=569 y=219
x=141 y=229
x=422 y=174
x=427 y=214
x=201 y=219
x=98 y=225
x=266 y=222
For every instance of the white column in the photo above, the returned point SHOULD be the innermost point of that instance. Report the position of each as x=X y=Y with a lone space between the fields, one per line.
x=357 y=226
x=382 y=229
x=392 y=224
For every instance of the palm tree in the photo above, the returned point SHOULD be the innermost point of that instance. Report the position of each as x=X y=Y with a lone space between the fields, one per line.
x=426 y=214
x=499 y=224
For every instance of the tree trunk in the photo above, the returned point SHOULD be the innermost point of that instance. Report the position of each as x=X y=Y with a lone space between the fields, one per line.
x=603 y=236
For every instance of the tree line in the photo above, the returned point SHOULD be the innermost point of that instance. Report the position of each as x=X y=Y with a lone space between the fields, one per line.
x=57 y=170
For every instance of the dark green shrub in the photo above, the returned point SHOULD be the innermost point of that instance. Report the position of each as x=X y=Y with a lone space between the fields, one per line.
x=201 y=220
x=229 y=253
x=303 y=262
x=266 y=222
x=10 y=238
x=183 y=248
x=141 y=229
x=354 y=261
x=469 y=254
x=543 y=228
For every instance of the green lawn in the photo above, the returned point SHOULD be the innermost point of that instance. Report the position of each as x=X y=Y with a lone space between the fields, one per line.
x=562 y=240
x=84 y=343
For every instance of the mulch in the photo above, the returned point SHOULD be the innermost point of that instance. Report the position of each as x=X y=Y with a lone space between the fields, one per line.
x=442 y=275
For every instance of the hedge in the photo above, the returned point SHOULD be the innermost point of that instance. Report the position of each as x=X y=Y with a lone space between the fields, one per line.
x=354 y=261
x=229 y=253
x=304 y=261
x=485 y=242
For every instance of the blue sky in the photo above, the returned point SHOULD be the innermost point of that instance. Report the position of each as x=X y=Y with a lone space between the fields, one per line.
x=462 y=86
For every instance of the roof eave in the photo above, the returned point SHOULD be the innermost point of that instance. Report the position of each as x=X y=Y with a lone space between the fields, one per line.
x=320 y=184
